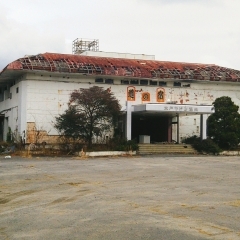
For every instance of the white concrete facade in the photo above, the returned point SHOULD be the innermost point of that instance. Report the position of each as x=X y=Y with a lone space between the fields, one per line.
x=41 y=98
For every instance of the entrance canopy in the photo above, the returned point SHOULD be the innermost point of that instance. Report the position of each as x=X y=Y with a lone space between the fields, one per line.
x=168 y=109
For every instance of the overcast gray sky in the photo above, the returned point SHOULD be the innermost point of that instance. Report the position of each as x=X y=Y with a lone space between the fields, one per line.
x=200 y=31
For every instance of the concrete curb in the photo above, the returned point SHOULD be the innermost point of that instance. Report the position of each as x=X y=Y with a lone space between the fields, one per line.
x=230 y=153
x=106 y=153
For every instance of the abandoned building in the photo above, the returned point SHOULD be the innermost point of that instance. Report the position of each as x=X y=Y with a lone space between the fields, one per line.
x=161 y=101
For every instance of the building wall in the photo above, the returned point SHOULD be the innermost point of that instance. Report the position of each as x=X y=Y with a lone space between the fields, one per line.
x=48 y=98
x=40 y=98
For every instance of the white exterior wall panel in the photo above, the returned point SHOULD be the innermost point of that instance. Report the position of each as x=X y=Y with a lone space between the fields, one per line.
x=41 y=98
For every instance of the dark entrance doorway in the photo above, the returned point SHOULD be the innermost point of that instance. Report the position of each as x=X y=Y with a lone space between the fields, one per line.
x=154 y=126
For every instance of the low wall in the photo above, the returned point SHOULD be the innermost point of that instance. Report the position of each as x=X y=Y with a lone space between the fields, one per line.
x=106 y=153
x=230 y=153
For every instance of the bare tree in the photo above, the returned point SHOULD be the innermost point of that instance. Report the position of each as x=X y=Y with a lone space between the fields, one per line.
x=90 y=113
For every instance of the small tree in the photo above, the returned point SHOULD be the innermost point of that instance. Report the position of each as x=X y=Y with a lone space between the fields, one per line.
x=224 y=125
x=90 y=113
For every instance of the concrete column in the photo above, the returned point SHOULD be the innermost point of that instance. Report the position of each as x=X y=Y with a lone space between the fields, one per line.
x=203 y=126
x=22 y=106
x=178 y=129
x=5 y=128
x=128 y=125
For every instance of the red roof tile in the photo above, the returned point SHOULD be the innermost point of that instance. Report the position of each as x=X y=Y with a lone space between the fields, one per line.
x=89 y=65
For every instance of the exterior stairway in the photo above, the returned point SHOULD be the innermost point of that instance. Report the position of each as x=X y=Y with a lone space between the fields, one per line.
x=166 y=148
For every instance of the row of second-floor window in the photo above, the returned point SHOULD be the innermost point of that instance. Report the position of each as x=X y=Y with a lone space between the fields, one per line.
x=7 y=89
x=140 y=82
x=101 y=80
x=6 y=94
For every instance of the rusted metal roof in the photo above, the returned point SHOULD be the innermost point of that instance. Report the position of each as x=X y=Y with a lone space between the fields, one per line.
x=53 y=62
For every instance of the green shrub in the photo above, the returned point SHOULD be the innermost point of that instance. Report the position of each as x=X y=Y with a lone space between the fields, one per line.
x=203 y=146
x=223 y=126
x=190 y=140
x=122 y=144
x=207 y=146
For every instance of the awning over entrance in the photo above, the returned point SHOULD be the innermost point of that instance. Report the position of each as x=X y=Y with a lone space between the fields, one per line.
x=168 y=110
x=173 y=109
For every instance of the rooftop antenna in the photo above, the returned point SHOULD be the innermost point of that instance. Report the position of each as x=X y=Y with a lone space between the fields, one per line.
x=81 y=45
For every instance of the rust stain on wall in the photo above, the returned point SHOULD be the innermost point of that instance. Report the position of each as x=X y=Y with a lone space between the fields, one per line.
x=38 y=135
x=59 y=106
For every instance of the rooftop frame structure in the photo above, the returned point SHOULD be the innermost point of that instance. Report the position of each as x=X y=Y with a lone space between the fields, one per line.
x=80 y=45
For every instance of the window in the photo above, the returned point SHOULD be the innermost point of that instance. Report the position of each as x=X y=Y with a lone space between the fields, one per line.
x=124 y=82
x=131 y=93
x=160 y=95
x=153 y=82
x=143 y=82
x=17 y=90
x=99 y=80
x=177 y=84
x=109 y=81
x=145 y=96
x=133 y=81
x=162 y=84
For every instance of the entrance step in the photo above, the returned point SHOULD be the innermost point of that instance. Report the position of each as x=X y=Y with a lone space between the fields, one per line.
x=166 y=148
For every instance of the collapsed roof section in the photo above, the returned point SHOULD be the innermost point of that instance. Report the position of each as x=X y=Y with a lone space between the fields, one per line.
x=151 y=69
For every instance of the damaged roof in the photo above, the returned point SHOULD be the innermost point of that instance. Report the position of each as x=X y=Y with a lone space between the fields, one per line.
x=134 y=68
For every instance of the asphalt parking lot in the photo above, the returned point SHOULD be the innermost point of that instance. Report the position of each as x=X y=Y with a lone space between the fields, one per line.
x=148 y=197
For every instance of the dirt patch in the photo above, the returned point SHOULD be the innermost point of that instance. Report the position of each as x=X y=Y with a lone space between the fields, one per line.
x=235 y=203
x=4 y=200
